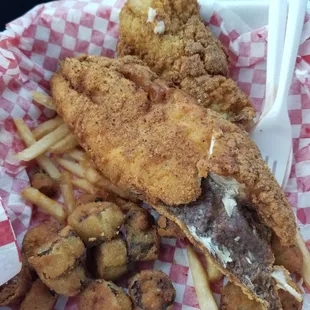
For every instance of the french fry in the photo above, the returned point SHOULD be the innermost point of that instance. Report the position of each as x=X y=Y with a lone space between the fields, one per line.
x=95 y=177
x=92 y=175
x=68 y=143
x=204 y=295
x=305 y=269
x=72 y=167
x=110 y=187
x=66 y=188
x=50 y=206
x=84 y=162
x=213 y=272
x=42 y=145
x=48 y=166
x=77 y=154
x=84 y=185
x=43 y=161
x=43 y=99
x=47 y=127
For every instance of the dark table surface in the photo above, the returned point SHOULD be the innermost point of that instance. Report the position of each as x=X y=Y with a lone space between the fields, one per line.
x=11 y=9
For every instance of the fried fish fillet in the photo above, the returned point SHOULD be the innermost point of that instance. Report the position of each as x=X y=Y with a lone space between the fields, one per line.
x=184 y=52
x=185 y=47
x=234 y=299
x=194 y=167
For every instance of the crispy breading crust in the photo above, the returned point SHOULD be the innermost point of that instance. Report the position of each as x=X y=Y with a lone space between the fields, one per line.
x=186 y=54
x=160 y=149
x=133 y=160
x=187 y=47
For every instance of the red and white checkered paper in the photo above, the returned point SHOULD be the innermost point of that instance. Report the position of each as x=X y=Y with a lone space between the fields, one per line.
x=30 y=50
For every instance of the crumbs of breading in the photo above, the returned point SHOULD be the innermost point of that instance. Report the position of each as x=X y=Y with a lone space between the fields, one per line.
x=233 y=298
x=221 y=95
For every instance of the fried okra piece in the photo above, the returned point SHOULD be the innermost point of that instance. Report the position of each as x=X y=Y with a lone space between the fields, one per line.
x=45 y=184
x=59 y=255
x=17 y=287
x=111 y=259
x=289 y=257
x=96 y=221
x=68 y=284
x=38 y=235
x=39 y=298
x=151 y=290
x=168 y=229
x=141 y=235
x=100 y=294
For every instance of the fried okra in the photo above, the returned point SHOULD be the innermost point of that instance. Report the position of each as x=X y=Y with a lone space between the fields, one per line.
x=96 y=221
x=69 y=283
x=151 y=290
x=141 y=235
x=100 y=294
x=17 y=287
x=289 y=257
x=45 y=184
x=59 y=255
x=38 y=235
x=110 y=258
x=168 y=229
x=39 y=298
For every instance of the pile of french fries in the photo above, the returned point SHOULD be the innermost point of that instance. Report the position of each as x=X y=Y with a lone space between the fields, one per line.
x=54 y=137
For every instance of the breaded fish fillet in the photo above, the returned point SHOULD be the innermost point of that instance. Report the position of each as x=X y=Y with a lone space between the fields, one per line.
x=194 y=167
x=184 y=47
x=234 y=299
x=183 y=51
